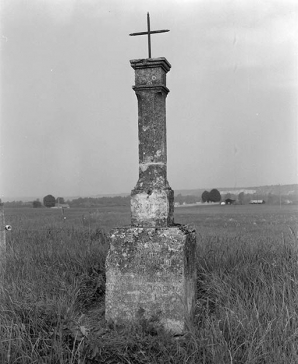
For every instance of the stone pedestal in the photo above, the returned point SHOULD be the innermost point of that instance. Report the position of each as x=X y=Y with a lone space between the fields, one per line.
x=151 y=273
x=2 y=244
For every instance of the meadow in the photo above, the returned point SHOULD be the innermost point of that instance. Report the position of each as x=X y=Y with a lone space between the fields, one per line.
x=52 y=301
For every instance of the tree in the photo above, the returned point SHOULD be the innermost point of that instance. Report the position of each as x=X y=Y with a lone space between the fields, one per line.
x=49 y=201
x=214 y=195
x=36 y=204
x=241 y=198
x=205 y=196
x=60 y=200
x=272 y=199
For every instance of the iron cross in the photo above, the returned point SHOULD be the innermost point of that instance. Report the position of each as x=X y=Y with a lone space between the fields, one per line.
x=149 y=32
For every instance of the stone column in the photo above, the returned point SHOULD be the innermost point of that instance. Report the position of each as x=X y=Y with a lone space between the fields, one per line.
x=2 y=244
x=152 y=200
x=151 y=265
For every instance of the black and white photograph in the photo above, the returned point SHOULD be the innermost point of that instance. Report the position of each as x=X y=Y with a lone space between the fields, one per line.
x=149 y=181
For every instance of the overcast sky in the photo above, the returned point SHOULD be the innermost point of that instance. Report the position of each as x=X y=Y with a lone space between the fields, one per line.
x=69 y=114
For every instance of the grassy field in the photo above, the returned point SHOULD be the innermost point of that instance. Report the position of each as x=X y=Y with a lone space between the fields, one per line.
x=52 y=303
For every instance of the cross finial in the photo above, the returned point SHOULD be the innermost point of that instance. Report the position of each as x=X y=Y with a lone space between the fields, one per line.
x=149 y=32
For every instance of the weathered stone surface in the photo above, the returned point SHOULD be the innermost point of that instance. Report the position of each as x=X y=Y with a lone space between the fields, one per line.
x=2 y=243
x=146 y=68
x=151 y=91
x=152 y=207
x=151 y=272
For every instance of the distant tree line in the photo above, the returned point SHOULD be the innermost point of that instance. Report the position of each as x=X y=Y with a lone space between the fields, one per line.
x=212 y=196
x=270 y=198
x=51 y=201
x=17 y=204
x=99 y=201
x=36 y=203
x=188 y=199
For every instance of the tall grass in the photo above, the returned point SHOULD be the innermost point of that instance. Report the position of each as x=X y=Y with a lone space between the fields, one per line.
x=52 y=303
x=52 y=277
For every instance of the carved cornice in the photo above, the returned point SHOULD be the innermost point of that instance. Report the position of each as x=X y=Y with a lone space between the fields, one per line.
x=151 y=63
x=156 y=88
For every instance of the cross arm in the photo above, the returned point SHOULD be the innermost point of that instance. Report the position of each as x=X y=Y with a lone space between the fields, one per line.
x=151 y=32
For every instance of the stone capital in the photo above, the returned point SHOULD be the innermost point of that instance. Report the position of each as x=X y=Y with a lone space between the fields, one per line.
x=151 y=63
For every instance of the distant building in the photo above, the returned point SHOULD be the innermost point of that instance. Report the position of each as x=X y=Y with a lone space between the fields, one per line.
x=236 y=192
x=256 y=202
x=229 y=201
x=288 y=202
x=61 y=206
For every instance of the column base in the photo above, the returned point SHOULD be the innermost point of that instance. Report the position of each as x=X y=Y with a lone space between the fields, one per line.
x=151 y=273
x=152 y=207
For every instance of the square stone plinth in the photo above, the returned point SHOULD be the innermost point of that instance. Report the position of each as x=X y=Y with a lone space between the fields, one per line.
x=151 y=273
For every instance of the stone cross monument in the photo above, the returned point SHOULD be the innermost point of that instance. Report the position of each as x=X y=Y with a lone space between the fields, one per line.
x=2 y=243
x=151 y=265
